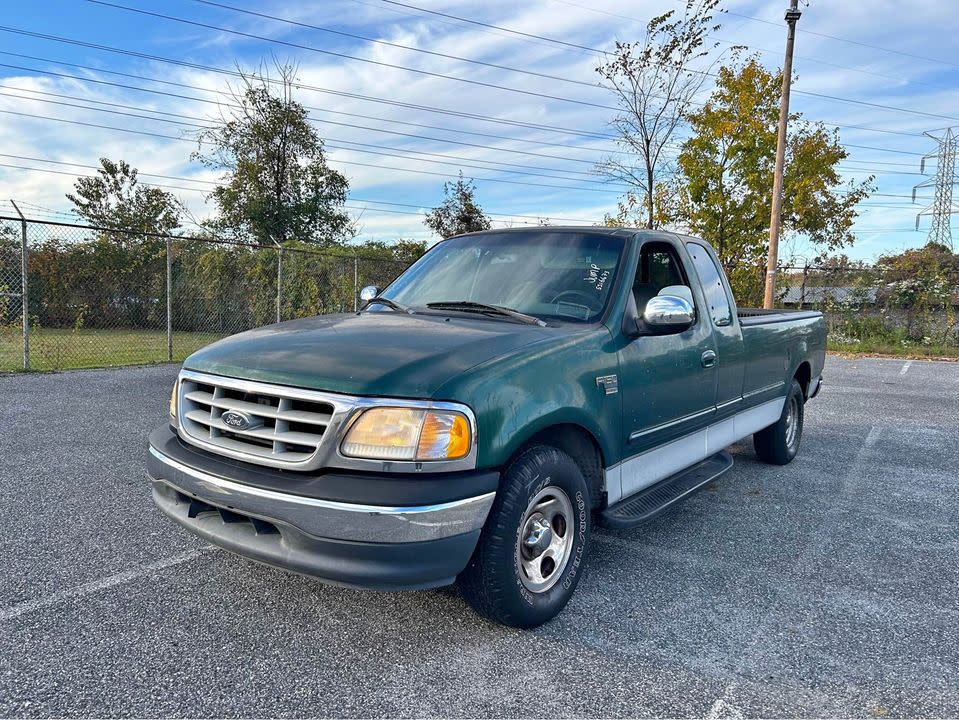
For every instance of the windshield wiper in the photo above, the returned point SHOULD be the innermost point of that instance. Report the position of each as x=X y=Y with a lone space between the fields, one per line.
x=468 y=306
x=390 y=304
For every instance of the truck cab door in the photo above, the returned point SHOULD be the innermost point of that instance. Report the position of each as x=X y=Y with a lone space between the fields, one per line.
x=668 y=382
x=721 y=308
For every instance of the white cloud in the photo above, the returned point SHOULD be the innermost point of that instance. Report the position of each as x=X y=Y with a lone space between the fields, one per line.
x=926 y=28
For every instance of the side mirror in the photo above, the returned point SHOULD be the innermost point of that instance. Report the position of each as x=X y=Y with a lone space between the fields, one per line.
x=667 y=313
x=369 y=292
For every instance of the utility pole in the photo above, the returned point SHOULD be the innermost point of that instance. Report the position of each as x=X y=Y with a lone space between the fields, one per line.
x=169 y=299
x=769 y=296
x=279 y=281
x=24 y=285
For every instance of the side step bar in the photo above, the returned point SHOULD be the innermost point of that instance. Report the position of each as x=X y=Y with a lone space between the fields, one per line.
x=656 y=499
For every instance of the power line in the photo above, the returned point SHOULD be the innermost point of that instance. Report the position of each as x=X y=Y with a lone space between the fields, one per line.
x=211 y=182
x=310 y=48
x=330 y=142
x=348 y=125
x=865 y=103
x=356 y=96
x=765 y=51
x=410 y=48
x=879 y=162
x=345 y=162
x=454 y=160
x=364 y=38
x=219 y=93
x=881 y=149
x=847 y=40
x=875 y=171
x=315 y=120
x=177 y=178
x=449 y=23
x=779 y=25
x=494 y=27
x=346 y=56
x=301 y=86
x=327 y=140
x=215 y=184
x=627 y=17
x=199 y=190
x=85 y=79
x=81 y=78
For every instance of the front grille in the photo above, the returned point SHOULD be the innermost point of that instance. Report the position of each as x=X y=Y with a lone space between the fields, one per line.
x=282 y=429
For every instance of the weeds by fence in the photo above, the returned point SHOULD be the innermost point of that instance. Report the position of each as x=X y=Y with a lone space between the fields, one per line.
x=100 y=297
x=882 y=308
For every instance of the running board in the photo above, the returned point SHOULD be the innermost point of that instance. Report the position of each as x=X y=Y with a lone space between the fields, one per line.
x=650 y=502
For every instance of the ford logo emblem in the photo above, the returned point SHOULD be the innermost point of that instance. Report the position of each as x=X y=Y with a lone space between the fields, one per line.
x=239 y=420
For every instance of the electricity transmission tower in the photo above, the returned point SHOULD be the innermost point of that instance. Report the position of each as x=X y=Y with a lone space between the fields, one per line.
x=942 y=206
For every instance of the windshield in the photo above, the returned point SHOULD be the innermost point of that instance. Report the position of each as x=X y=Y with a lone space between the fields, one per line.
x=546 y=274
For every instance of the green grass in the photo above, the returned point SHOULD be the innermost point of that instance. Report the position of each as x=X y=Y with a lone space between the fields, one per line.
x=62 y=349
x=871 y=336
x=881 y=347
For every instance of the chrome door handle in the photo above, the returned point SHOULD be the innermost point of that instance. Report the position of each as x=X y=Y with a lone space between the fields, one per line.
x=709 y=359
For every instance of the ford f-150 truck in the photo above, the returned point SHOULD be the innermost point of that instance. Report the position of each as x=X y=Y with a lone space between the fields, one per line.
x=477 y=417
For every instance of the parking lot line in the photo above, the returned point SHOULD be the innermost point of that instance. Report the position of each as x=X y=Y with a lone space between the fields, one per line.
x=94 y=586
x=905 y=368
x=821 y=589
x=722 y=709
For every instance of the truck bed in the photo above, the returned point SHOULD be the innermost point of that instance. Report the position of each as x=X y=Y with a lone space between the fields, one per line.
x=759 y=316
x=774 y=339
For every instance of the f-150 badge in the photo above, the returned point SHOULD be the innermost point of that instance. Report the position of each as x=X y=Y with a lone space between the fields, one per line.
x=608 y=382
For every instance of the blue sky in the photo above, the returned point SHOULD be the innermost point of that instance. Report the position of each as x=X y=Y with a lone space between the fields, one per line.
x=921 y=78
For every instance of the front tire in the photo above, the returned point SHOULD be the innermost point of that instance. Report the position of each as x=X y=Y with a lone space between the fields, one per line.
x=779 y=443
x=532 y=552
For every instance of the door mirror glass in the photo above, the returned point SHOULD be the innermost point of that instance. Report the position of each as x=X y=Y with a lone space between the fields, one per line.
x=369 y=292
x=669 y=312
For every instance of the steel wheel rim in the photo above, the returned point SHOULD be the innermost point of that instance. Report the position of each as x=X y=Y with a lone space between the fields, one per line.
x=545 y=541
x=792 y=421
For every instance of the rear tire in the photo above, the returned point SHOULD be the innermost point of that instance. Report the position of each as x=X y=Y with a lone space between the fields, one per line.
x=779 y=443
x=532 y=551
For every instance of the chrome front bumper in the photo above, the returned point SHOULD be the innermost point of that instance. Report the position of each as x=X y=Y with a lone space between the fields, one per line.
x=327 y=518
x=354 y=544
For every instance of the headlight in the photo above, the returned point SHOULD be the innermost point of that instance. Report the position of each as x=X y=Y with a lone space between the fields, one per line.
x=173 y=394
x=408 y=434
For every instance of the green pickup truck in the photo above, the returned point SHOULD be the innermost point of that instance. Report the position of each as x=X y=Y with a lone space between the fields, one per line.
x=477 y=417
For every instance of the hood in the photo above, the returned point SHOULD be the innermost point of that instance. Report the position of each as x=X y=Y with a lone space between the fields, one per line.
x=376 y=353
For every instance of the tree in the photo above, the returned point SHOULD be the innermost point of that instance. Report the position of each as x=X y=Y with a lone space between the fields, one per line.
x=115 y=199
x=723 y=190
x=276 y=185
x=403 y=250
x=653 y=83
x=459 y=212
x=923 y=280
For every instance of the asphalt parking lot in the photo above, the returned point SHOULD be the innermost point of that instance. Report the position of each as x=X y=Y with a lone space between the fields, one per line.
x=829 y=587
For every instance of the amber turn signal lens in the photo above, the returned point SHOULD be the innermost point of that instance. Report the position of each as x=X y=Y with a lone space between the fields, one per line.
x=445 y=436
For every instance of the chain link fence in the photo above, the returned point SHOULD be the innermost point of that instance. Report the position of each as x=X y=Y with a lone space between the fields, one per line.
x=13 y=338
x=100 y=297
x=878 y=308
